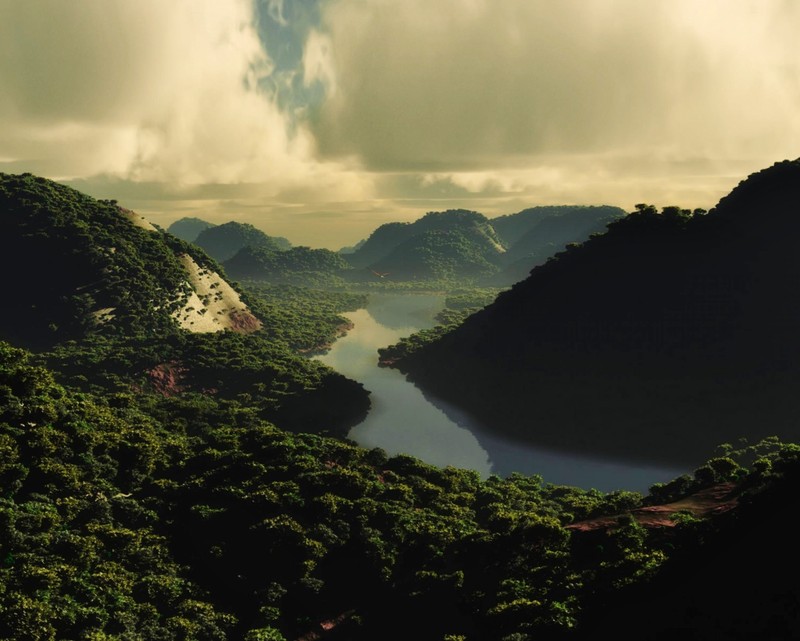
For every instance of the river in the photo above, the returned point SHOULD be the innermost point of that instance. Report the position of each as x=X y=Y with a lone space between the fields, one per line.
x=403 y=421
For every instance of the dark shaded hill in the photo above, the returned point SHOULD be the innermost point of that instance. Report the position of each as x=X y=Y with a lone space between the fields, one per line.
x=667 y=335
x=574 y=221
x=541 y=232
x=223 y=241
x=188 y=228
x=298 y=265
x=453 y=241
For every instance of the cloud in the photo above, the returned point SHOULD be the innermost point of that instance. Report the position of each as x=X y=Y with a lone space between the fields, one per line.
x=384 y=109
x=150 y=91
x=476 y=85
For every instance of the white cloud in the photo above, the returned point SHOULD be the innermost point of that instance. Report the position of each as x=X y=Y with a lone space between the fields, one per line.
x=475 y=85
x=149 y=91
x=404 y=105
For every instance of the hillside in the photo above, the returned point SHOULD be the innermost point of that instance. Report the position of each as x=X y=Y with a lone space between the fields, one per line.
x=92 y=267
x=669 y=334
x=456 y=242
x=151 y=490
x=188 y=228
x=114 y=304
x=121 y=524
x=297 y=266
x=222 y=242
x=534 y=235
x=560 y=223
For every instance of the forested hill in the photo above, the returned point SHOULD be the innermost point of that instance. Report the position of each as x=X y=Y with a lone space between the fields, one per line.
x=386 y=244
x=222 y=242
x=534 y=235
x=74 y=266
x=513 y=228
x=298 y=265
x=112 y=303
x=673 y=332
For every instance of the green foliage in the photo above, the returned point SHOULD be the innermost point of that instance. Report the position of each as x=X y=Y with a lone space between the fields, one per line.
x=68 y=257
x=222 y=242
x=459 y=305
x=295 y=266
x=147 y=493
x=306 y=320
x=657 y=340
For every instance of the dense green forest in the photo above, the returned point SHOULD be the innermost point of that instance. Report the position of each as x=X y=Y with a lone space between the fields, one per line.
x=441 y=250
x=119 y=525
x=295 y=266
x=223 y=242
x=158 y=483
x=91 y=257
x=670 y=333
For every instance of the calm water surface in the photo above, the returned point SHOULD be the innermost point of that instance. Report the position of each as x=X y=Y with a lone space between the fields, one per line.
x=403 y=421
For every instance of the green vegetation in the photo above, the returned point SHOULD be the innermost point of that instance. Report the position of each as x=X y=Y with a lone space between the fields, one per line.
x=101 y=260
x=119 y=525
x=151 y=488
x=666 y=335
x=440 y=245
x=295 y=266
x=459 y=305
x=222 y=242
x=534 y=235
x=66 y=257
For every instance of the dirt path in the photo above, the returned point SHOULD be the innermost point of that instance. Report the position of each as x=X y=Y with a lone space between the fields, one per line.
x=707 y=502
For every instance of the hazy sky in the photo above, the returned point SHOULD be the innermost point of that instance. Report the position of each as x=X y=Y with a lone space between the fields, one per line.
x=321 y=119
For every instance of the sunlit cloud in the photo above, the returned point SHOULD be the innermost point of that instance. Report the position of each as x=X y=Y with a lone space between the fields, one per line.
x=147 y=91
x=358 y=112
x=485 y=86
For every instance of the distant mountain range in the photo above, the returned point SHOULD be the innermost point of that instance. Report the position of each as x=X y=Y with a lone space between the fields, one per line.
x=673 y=332
x=461 y=244
x=453 y=245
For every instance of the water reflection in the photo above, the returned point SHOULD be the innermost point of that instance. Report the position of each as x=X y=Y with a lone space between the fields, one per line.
x=403 y=420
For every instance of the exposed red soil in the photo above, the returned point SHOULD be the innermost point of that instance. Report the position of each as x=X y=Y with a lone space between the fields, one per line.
x=166 y=378
x=244 y=322
x=704 y=503
x=324 y=627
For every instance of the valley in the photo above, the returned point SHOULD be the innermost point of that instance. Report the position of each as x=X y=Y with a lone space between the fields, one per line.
x=180 y=461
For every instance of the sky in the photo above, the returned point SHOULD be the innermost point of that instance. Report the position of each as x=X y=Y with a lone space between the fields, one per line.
x=319 y=120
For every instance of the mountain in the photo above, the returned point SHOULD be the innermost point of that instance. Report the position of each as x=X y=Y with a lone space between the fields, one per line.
x=188 y=228
x=350 y=249
x=223 y=241
x=452 y=243
x=442 y=254
x=574 y=219
x=298 y=265
x=93 y=267
x=534 y=235
x=667 y=335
